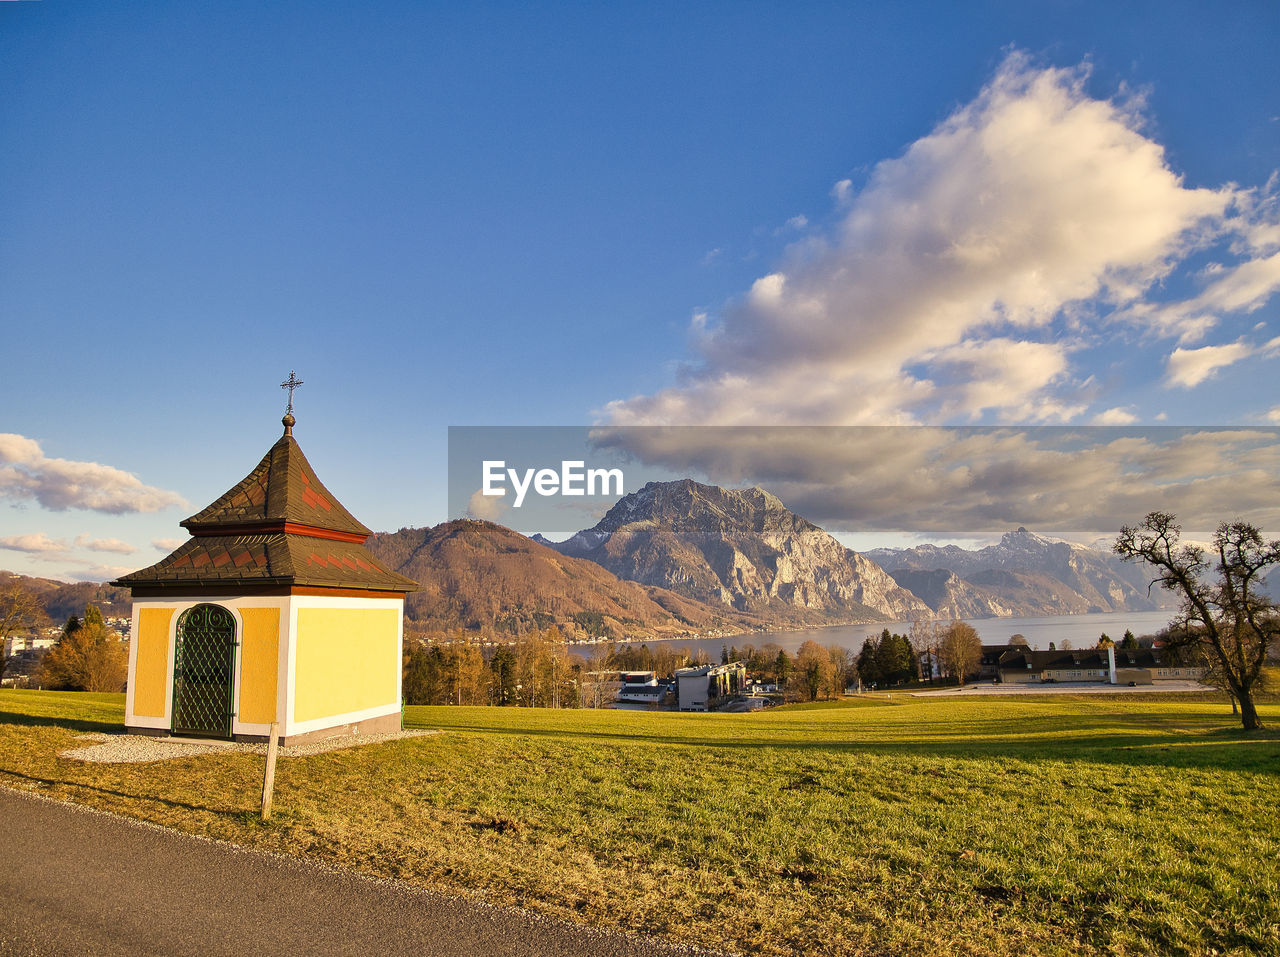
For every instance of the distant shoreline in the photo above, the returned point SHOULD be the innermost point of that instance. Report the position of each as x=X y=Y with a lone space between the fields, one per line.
x=1083 y=631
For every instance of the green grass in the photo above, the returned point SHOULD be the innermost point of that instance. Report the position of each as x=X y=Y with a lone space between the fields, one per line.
x=1065 y=824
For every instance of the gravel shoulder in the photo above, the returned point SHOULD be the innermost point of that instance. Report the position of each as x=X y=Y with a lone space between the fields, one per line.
x=140 y=748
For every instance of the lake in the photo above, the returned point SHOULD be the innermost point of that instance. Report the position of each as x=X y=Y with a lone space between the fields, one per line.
x=1083 y=631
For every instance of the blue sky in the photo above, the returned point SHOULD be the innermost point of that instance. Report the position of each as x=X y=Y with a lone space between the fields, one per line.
x=722 y=213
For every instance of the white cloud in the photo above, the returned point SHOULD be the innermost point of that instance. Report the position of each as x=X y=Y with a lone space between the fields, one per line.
x=37 y=543
x=1080 y=482
x=1032 y=216
x=19 y=450
x=486 y=507
x=992 y=373
x=98 y=573
x=60 y=484
x=1243 y=288
x=1115 y=416
x=104 y=545
x=1189 y=367
x=168 y=544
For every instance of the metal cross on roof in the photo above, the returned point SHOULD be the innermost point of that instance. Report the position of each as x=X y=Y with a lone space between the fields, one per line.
x=292 y=383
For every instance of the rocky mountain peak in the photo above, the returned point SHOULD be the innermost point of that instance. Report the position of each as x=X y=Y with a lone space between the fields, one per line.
x=1025 y=573
x=739 y=547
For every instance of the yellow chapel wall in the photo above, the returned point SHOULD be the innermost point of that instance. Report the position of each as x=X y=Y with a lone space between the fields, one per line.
x=259 y=662
x=259 y=666
x=149 y=666
x=346 y=661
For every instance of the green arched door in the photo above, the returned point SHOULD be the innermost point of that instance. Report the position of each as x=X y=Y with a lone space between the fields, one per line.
x=204 y=671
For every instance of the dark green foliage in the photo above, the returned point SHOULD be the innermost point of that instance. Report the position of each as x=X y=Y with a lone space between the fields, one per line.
x=913 y=660
x=782 y=668
x=425 y=679
x=887 y=661
x=868 y=665
x=503 y=666
x=893 y=659
x=592 y=622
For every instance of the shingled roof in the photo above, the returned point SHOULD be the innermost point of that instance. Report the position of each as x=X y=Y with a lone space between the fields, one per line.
x=283 y=489
x=279 y=526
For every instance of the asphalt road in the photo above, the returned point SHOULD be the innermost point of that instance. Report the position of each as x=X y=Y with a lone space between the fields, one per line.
x=76 y=881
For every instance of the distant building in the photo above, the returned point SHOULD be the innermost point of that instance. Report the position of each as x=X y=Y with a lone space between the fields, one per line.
x=643 y=691
x=17 y=644
x=22 y=669
x=707 y=687
x=989 y=661
x=1021 y=665
x=640 y=689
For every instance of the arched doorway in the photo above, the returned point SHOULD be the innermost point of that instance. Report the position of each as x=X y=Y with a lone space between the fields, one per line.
x=204 y=671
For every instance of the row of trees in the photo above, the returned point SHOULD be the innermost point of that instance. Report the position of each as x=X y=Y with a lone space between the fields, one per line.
x=87 y=657
x=815 y=671
x=887 y=661
x=538 y=671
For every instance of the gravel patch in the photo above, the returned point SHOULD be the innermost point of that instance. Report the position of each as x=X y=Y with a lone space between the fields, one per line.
x=139 y=748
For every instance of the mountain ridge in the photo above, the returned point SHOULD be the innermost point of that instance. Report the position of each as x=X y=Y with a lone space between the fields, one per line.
x=485 y=578
x=1024 y=574
x=743 y=549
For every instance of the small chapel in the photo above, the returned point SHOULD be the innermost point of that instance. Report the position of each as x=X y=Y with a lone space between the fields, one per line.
x=274 y=612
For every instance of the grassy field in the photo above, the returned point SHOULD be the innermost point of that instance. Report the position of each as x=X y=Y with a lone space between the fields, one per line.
x=1067 y=824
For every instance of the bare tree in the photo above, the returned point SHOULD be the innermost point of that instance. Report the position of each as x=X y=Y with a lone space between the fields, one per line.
x=925 y=637
x=596 y=690
x=20 y=613
x=1227 y=619
x=961 y=649
x=813 y=664
x=839 y=676
x=88 y=658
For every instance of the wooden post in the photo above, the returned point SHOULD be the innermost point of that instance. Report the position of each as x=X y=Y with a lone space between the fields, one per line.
x=269 y=778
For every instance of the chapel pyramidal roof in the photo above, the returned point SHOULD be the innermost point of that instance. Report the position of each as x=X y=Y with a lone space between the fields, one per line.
x=278 y=526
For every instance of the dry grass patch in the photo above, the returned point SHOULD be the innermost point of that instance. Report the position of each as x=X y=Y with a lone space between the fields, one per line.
x=992 y=826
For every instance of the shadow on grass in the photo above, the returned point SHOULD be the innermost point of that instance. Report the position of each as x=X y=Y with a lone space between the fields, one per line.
x=1212 y=748
x=229 y=813
x=74 y=724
